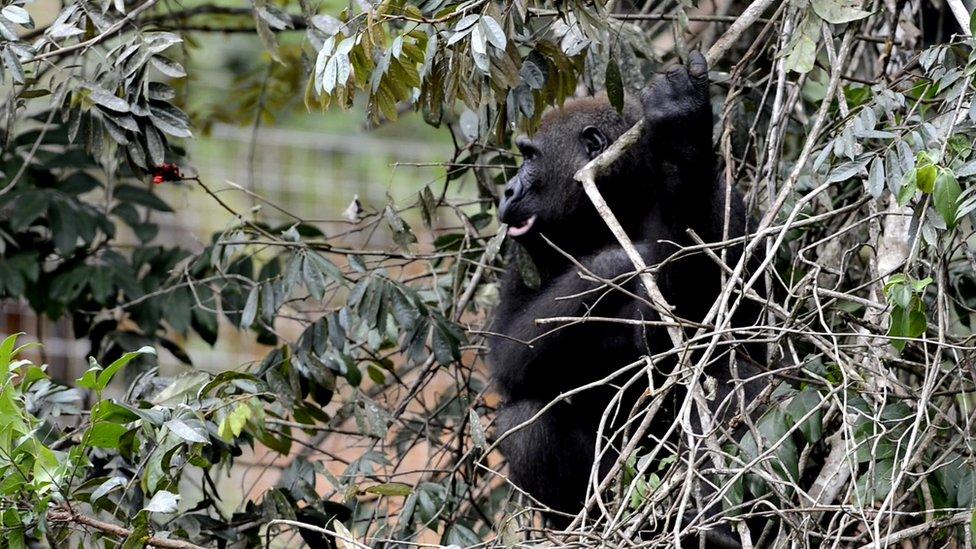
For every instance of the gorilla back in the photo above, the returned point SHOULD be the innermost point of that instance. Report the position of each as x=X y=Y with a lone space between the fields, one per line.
x=664 y=186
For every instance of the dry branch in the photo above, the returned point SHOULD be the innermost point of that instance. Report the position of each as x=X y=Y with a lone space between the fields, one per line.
x=69 y=516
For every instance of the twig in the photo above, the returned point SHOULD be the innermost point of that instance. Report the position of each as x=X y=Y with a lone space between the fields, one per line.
x=66 y=515
x=961 y=14
x=731 y=36
x=346 y=540
x=915 y=531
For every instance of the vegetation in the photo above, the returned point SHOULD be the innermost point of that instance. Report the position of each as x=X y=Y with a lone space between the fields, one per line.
x=849 y=126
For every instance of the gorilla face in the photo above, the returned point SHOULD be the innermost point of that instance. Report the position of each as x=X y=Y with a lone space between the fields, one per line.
x=543 y=197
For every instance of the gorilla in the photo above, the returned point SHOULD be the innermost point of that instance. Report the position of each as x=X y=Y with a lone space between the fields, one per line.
x=664 y=185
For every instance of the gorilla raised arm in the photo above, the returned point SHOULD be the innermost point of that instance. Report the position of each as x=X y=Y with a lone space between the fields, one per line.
x=663 y=186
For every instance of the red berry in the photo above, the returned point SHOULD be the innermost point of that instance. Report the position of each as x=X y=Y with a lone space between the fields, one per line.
x=166 y=172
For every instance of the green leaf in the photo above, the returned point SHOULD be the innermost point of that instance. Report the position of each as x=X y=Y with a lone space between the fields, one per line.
x=223 y=378
x=839 y=11
x=16 y=14
x=876 y=486
x=899 y=293
x=163 y=502
x=945 y=197
x=375 y=374
x=142 y=197
x=106 y=376
x=184 y=431
x=62 y=219
x=799 y=406
x=802 y=57
x=6 y=349
x=477 y=430
x=110 y=412
x=330 y=269
x=907 y=323
x=919 y=285
x=90 y=377
x=250 y=308
x=532 y=74
x=876 y=177
x=493 y=32
x=615 y=85
x=170 y=120
x=402 y=234
x=972 y=521
x=847 y=170
x=106 y=487
x=140 y=532
x=167 y=66
x=925 y=177
x=526 y=268
x=105 y=435
x=466 y=22
x=445 y=345
x=908 y=187
x=233 y=423
x=391 y=489
x=29 y=206
x=105 y=98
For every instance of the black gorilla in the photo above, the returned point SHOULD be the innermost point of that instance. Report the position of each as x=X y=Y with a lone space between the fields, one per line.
x=665 y=184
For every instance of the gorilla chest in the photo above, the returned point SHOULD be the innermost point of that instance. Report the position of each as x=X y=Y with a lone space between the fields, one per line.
x=543 y=347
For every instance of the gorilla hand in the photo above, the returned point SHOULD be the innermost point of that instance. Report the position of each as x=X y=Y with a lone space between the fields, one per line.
x=678 y=125
x=679 y=96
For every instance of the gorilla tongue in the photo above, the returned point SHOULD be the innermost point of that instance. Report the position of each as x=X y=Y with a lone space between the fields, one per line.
x=522 y=228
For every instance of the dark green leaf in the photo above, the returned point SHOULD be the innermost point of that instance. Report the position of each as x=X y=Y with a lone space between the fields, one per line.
x=61 y=217
x=390 y=489
x=615 y=85
x=250 y=308
x=526 y=267
x=945 y=196
x=105 y=435
x=106 y=98
x=142 y=197
x=29 y=206
x=167 y=66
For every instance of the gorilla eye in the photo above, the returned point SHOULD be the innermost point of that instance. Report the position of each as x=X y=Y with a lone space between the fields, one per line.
x=526 y=148
x=594 y=141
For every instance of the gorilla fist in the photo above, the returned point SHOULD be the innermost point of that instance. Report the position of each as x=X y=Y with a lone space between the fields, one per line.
x=678 y=121
x=678 y=96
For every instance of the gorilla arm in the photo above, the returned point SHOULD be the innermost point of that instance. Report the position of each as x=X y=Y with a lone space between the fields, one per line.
x=527 y=350
x=678 y=132
x=678 y=115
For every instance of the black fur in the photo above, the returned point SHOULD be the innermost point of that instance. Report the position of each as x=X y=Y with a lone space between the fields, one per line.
x=665 y=184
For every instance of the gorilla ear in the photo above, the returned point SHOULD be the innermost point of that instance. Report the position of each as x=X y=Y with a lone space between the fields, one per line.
x=594 y=141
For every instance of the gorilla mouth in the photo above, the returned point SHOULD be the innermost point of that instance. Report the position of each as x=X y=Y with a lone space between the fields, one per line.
x=521 y=228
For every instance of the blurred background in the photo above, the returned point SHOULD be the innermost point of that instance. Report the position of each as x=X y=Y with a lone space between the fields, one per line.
x=288 y=162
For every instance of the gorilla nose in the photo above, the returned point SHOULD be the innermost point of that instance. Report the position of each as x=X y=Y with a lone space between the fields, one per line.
x=513 y=188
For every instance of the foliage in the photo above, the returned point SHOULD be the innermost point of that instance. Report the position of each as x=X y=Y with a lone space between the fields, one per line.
x=854 y=151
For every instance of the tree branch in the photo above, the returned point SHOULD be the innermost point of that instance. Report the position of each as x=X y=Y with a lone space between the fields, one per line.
x=67 y=515
x=961 y=14
x=917 y=530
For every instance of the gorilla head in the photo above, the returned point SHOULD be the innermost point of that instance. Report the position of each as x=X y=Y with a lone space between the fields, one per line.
x=543 y=198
